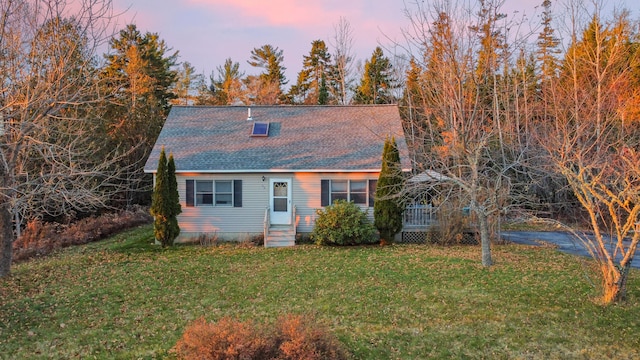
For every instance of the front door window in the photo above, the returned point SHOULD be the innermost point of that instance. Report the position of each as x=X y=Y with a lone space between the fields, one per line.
x=280 y=198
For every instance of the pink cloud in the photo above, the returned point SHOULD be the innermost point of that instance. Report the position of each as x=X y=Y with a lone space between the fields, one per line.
x=291 y=13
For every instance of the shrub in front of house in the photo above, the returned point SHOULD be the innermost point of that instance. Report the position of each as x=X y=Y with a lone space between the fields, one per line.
x=343 y=223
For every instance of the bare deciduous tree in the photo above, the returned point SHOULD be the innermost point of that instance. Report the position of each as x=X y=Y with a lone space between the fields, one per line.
x=50 y=159
x=460 y=112
x=342 y=44
x=594 y=147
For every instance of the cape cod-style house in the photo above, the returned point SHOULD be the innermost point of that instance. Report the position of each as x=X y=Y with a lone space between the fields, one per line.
x=244 y=171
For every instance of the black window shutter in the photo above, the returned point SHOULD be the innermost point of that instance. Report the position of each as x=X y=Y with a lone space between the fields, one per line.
x=324 y=192
x=189 y=192
x=237 y=193
x=372 y=191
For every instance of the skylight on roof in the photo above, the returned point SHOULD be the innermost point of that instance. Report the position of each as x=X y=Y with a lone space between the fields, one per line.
x=260 y=129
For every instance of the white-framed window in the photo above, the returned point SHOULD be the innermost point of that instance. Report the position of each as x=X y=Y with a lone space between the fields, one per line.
x=204 y=192
x=224 y=192
x=339 y=190
x=360 y=192
x=213 y=193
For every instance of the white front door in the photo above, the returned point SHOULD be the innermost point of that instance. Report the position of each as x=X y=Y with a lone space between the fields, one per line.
x=280 y=201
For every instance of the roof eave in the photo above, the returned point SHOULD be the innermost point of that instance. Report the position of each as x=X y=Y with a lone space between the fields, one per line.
x=275 y=171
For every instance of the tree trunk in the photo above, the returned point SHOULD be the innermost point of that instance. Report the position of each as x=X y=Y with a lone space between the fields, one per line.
x=485 y=241
x=622 y=289
x=6 y=239
x=614 y=283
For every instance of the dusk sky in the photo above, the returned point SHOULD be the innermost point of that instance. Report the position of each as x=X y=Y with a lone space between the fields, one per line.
x=206 y=32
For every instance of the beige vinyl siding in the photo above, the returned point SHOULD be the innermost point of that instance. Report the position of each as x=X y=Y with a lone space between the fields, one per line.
x=226 y=221
x=306 y=195
x=236 y=223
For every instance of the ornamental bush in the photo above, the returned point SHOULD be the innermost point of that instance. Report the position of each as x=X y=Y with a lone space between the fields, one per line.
x=292 y=337
x=226 y=339
x=302 y=337
x=343 y=223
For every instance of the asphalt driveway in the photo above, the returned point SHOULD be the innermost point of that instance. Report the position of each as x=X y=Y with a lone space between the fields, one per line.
x=565 y=242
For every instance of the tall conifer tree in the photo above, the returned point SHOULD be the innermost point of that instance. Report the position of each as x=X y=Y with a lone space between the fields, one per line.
x=272 y=78
x=139 y=75
x=387 y=210
x=164 y=204
x=174 y=200
x=311 y=86
x=377 y=82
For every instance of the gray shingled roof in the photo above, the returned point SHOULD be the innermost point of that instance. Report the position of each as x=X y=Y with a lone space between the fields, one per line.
x=313 y=138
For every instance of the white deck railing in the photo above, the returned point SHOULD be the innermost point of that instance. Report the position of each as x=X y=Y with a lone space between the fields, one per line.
x=419 y=216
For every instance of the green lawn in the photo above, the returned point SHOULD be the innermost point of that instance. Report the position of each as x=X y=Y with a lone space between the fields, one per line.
x=123 y=298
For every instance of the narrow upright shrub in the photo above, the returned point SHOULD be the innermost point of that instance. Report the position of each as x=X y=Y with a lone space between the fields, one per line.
x=343 y=223
x=387 y=211
x=164 y=202
x=173 y=229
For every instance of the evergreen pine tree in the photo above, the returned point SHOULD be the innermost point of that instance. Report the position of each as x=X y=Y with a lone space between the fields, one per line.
x=323 y=95
x=227 y=88
x=311 y=87
x=547 y=47
x=387 y=210
x=377 y=81
x=272 y=78
x=138 y=77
